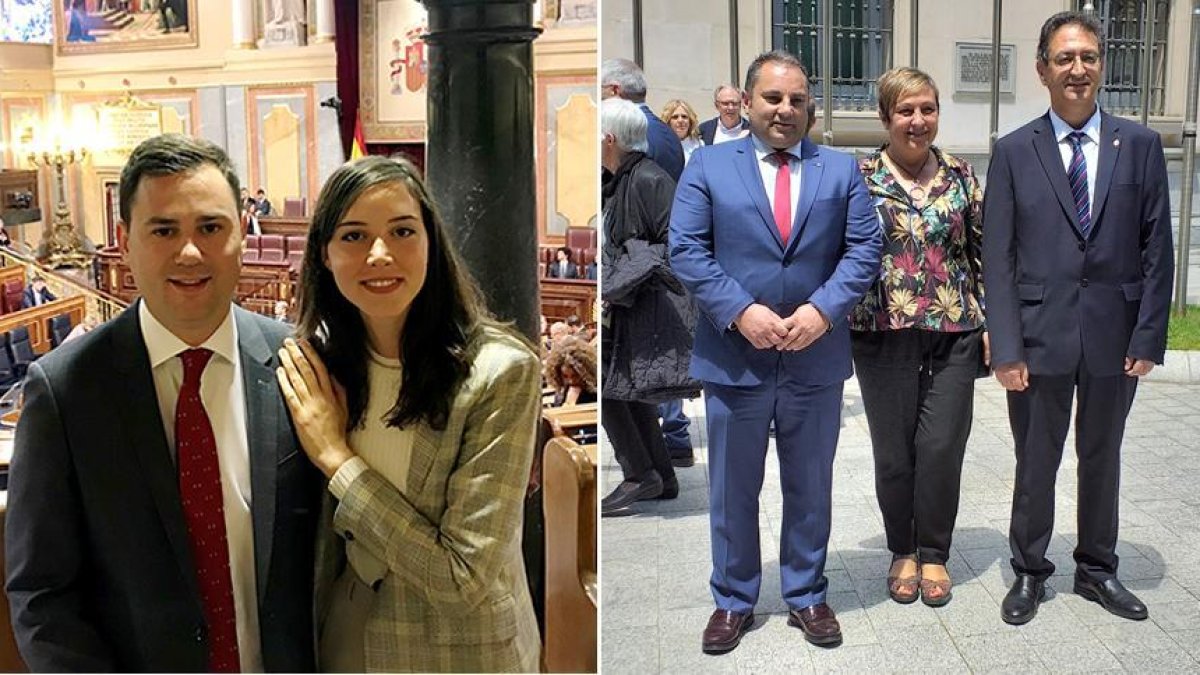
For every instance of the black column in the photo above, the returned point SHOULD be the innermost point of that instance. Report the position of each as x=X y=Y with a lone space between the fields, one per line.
x=479 y=154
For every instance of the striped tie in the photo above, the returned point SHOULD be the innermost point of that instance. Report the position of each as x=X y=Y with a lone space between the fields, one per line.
x=1077 y=174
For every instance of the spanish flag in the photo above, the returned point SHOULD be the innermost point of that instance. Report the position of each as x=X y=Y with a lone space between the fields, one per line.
x=359 y=148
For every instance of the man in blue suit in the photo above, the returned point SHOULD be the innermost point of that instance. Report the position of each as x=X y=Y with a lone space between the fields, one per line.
x=623 y=78
x=776 y=239
x=1078 y=265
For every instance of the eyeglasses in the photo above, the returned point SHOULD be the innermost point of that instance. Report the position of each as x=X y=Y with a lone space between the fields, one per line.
x=1089 y=59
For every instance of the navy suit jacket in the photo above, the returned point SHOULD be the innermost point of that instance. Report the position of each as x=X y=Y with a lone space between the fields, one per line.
x=99 y=568
x=726 y=249
x=665 y=148
x=708 y=129
x=1054 y=297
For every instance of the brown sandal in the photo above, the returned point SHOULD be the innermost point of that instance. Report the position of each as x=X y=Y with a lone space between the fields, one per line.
x=904 y=590
x=942 y=586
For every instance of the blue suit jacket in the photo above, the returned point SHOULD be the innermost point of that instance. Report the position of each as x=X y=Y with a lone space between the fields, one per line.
x=1054 y=297
x=665 y=148
x=726 y=249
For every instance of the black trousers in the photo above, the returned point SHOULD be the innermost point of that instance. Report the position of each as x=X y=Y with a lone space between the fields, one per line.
x=918 y=390
x=1040 y=417
x=636 y=437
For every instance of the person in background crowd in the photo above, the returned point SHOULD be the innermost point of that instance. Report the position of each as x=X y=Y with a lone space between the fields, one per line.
x=624 y=79
x=682 y=120
x=636 y=287
x=570 y=369
x=1078 y=261
x=37 y=293
x=917 y=336
x=563 y=267
x=421 y=411
x=264 y=204
x=728 y=125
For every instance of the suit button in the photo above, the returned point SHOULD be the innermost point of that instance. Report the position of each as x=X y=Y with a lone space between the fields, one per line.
x=1082 y=246
x=348 y=535
x=787 y=263
x=1083 y=283
x=199 y=634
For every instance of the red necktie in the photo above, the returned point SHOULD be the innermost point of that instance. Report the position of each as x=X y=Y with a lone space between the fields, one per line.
x=783 y=195
x=204 y=511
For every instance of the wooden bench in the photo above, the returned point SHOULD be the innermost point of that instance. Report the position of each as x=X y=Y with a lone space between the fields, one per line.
x=571 y=583
x=36 y=319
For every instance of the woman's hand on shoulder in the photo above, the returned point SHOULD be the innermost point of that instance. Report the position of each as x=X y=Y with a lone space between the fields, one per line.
x=317 y=404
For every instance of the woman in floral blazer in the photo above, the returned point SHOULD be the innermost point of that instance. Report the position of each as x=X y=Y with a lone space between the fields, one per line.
x=918 y=335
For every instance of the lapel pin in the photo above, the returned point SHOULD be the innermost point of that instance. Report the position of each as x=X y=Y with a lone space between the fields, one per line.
x=1116 y=142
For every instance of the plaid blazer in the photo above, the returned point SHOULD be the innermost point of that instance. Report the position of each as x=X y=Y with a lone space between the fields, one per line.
x=455 y=598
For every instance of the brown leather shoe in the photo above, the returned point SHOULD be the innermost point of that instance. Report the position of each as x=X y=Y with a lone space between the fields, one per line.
x=819 y=623
x=725 y=629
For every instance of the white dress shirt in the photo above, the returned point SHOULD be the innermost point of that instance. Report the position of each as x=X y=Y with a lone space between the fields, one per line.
x=768 y=168
x=224 y=399
x=689 y=146
x=1089 y=145
x=721 y=134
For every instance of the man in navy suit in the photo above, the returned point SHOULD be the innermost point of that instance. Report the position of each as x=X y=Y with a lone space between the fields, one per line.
x=623 y=78
x=776 y=239
x=1078 y=265
x=727 y=99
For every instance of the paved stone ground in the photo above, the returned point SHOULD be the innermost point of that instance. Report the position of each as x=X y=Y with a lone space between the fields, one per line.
x=655 y=565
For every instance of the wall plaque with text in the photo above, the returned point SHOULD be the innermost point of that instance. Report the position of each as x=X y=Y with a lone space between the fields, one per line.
x=973 y=67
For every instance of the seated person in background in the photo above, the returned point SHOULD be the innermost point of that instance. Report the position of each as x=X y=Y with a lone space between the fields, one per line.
x=5 y=240
x=563 y=267
x=574 y=324
x=570 y=369
x=37 y=293
x=250 y=217
x=264 y=204
x=558 y=331
x=589 y=272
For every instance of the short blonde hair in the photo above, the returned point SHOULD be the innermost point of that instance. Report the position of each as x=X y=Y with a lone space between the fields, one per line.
x=897 y=83
x=693 y=121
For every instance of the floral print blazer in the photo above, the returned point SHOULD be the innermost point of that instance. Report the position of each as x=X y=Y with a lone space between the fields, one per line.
x=931 y=277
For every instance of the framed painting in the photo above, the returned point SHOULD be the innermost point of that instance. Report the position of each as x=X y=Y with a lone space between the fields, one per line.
x=88 y=26
x=393 y=66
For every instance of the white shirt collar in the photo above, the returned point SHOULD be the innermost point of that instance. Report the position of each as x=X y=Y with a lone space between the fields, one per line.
x=1091 y=127
x=761 y=149
x=162 y=345
x=729 y=130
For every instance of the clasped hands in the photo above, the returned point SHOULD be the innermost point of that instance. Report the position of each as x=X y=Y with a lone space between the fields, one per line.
x=767 y=330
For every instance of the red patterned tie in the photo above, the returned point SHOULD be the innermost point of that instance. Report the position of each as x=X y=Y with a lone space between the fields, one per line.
x=204 y=511
x=783 y=195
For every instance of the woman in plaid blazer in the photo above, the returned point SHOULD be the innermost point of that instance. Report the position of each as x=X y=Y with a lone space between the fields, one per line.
x=422 y=412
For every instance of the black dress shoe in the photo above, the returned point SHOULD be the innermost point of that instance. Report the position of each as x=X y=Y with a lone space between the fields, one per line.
x=819 y=623
x=725 y=630
x=670 y=488
x=1021 y=603
x=683 y=461
x=1112 y=596
x=650 y=486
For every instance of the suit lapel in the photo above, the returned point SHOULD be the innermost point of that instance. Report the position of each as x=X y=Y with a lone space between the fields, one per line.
x=142 y=423
x=1109 y=151
x=811 y=170
x=264 y=428
x=747 y=168
x=1048 y=154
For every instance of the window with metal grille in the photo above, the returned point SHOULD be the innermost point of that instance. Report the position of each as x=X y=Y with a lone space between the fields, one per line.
x=1125 y=34
x=862 y=45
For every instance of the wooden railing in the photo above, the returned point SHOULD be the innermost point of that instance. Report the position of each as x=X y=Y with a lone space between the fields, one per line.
x=99 y=306
x=562 y=298
x=37 y=319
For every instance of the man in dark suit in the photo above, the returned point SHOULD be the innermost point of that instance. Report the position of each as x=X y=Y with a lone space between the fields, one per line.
x=37 y=293
x=623 y=78
x=563 y=267
x=160 y=517
x=727 y=99
x=776 y=239
x=1078 y=266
